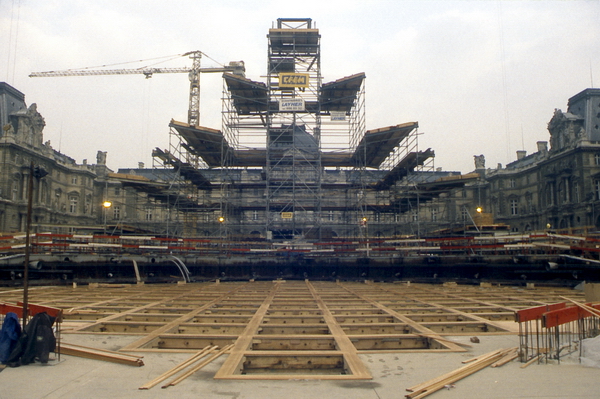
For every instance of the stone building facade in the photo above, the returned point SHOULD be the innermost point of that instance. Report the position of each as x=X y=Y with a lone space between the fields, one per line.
x=65 y=196
x=554 y=188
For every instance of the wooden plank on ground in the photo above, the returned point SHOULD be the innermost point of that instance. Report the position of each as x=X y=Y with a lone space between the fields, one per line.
x=194 y=358
x=434 y=385
x=197 y=367
x=100 y=354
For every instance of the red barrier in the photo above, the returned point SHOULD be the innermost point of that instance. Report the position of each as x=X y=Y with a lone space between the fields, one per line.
x=536 y=312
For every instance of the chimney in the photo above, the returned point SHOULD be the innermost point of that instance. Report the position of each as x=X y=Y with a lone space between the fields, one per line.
x=140 y=165
x=521 y=154
x=542 y=146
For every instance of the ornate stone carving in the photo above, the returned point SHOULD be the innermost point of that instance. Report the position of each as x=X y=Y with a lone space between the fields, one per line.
x=101 y=158
x=479 y=161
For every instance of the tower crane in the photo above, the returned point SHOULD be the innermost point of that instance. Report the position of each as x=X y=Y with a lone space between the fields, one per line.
x=235 y=67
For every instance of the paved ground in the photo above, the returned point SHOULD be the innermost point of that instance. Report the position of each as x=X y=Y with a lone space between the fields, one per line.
x=76 y=378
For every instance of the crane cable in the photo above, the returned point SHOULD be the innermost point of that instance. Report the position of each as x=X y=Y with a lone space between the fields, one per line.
x=10 y=41
x=159 y=60
x=163 y=58
x=504 y=83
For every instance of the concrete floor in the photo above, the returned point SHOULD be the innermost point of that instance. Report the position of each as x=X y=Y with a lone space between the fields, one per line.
x=76 y=378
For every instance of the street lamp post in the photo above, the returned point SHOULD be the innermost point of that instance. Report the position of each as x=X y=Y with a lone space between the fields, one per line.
x=106 y=204
x=37 y=172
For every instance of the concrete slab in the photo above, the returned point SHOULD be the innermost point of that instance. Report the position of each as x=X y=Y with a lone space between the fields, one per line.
x=76 y=378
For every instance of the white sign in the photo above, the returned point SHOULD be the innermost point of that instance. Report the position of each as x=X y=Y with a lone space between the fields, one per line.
x=338 y=115
x=293 y=104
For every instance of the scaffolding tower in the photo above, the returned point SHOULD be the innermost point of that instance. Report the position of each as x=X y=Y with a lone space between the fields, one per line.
x=293 y=159
x=293 y=167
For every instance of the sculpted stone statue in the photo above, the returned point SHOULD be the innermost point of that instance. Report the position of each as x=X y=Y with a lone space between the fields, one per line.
x=479 y=161
x=101 y=158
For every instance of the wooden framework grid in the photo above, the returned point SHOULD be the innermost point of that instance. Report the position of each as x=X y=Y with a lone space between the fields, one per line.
x=292 y=329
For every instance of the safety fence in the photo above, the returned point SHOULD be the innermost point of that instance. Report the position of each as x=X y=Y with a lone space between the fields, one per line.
x=548 y=332
x=583 y=248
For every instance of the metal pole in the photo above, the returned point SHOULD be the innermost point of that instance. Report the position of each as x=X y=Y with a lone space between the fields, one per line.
x=27 y=245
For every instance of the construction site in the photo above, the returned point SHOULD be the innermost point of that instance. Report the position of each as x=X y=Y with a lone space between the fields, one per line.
x=293 y=160
x=304 y=338
x=286 y=254
x=294 y=186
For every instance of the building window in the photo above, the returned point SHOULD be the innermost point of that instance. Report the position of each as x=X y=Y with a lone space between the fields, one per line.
x=74 y=180
x=512 y=183
x=330 y=216
x=415 y=216
x=72 y=204
x=116 y=212
x=597 y=189
x=514 y=207
x=397 y=217
x=550 y=194
x=254 y=215
x=576 y=192
x=15 y=190
x=44 y=192
x=117 y=191
x=434 y=214
x=148 y=213
x=597 y=159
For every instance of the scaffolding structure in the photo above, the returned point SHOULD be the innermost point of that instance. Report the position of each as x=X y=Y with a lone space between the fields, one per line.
x=293 y=160
x=293 y=167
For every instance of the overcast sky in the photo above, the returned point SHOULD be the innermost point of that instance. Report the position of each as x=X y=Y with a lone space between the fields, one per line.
x=480 y=77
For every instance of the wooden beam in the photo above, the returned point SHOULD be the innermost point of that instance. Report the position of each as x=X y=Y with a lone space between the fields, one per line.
x=197 y=367
x=355 y=366
x=424 y=389
x=100 y=354
x=194 y=358
x=233 y=363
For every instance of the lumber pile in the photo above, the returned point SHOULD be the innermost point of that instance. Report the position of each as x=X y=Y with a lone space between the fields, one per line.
x=497 y=357
x=100 y=354
x=188 y=364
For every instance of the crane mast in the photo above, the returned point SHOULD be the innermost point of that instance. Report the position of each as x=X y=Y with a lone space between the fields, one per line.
x=194 y=72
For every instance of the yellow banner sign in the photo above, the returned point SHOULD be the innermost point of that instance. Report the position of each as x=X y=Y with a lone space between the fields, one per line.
x=287 y=215
x=293 y=79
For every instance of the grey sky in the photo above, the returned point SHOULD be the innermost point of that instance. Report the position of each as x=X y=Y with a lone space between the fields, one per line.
x=480 y=77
